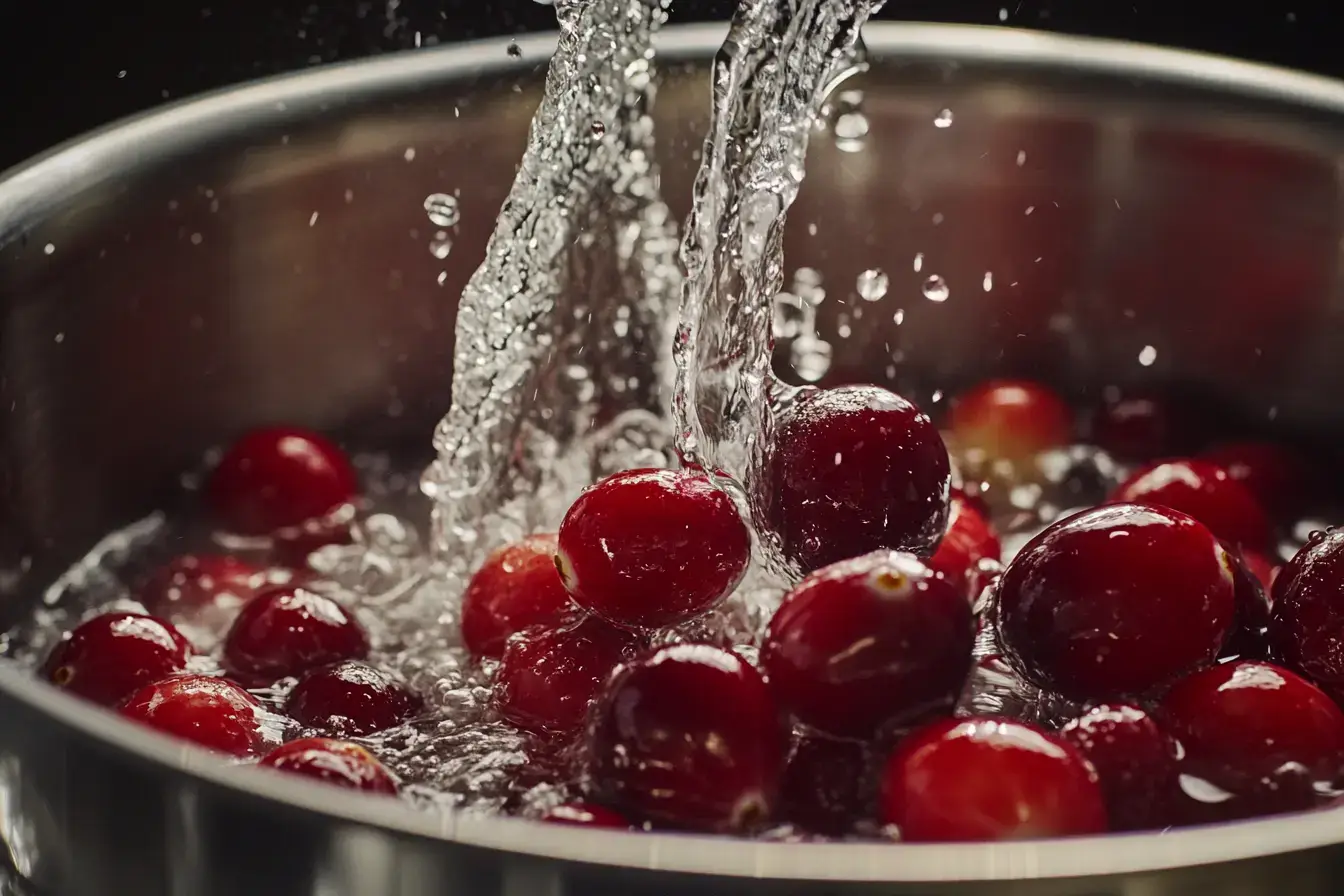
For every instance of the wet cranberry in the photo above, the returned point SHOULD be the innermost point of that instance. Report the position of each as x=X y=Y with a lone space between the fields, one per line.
x=210 y=712
x=109 y=656
x=289 y=630
x=1135 y=760
x=986 y=779
x=651 y=548
x=1273 y=473
x=1116 y=600
x=1257 y=733
x=1011 y=419
x=1259 y=565
x=1206 y=492
x=279 y=477
x=1306 y=627
x=1132 y=427
x=1250 y=636
x=869 y=642
x=585 y=815
x=853 y=470
x=688 y=736
x=516 y=588
x=350 y=699
x=197 y=580
x=825 y=789
x=333 y=762
x=970 y=539
x=548 y=677
x=293 y=546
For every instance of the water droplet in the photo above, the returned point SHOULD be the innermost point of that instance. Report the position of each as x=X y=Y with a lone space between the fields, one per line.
x=442 y=209
x=49 y=249
x=599 y=129
x=811 y=358
x=988 y=282
x=943 y=119
x=1147 y=356
x=935 y=288
x=919 y=262
x=872 y=284
x=793 y=316
x=441 y=245
x=514 y=50
x=850 y=131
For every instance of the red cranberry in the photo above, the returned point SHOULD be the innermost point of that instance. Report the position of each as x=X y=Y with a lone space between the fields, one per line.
x=548 y=677
x=825 y=786
x=1250 y=636
x=854 y=470
x=1132 y=427
x=293 y=546
x=970 y=538
x=585 y=815
x=1306 y=627
x=1259 y=565
x=651 y=548
x=288 y=630
x=1273 y=473
x=350 y=699
x=1135 y=760
x=869 y=642
x=1256 y=732
x=334 y=762
x=516 y=588
x=196 y=580
x=1206 y=492
x=988 y=779
x=279 y=477
x=109 y=656
x=210 y=712
x=1116 y=600
x=1011 y=419
x=690 y=737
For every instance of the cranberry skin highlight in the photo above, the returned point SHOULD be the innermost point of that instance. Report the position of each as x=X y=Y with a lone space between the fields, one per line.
x=332 y=762
x=989 y=779
x=1206 y=492
x=210 y=712
x=1010 y=419
x=652 y=548
x=585 y=815
x=856 y=469
x=1135 y=760
x=688 y=737
x=287 y=631
x=350 y=699
x=517 y=587
x=108 y=657
x=1115 y=601
x=868 y=643
x=1306 y=628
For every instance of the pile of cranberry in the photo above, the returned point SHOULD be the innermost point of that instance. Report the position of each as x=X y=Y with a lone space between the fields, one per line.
x=1193 y=697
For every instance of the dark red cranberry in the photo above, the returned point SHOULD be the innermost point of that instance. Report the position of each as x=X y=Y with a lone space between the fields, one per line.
x=1257 y=733
x=547 y=677
x=854 y=470
x=293 y=546
x=825 y=789
x=1132 y=427
x=869 y=642
x=1306 y=627
x=289 y=630
x=333 y=762
x=279 y=477
x=516 y=588
x=970 y=539
x=1259 y=565
x=109 y=656
x=651 y=548
x=196 y=580
x=210 y=712
x=1273 y=473
x=1206 y=492
x=1135 y=760
x=1116 y=600
x=585 y=815
x=1010 y=419
x=989 y=779
x=688 y=736
x=1250 y=636
x=350 y=699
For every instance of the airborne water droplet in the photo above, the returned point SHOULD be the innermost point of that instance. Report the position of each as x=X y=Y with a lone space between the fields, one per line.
x=936 y=289
x=514 y=50
x=599 y=129
x=442 y=209
x=872 y=284
x=943 y=119
x=441 y=245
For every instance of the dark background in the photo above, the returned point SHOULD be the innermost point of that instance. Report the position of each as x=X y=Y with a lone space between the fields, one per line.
x=65 y=69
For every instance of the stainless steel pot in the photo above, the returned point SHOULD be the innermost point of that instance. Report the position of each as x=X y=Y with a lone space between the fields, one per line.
x=262 y=254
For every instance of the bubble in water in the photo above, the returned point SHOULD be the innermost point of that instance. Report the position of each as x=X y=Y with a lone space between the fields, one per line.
x=810 y=358
x=442 y=209
x=943 y=119
x=441 y=245
x=935 y=288
x=793 y=316
x=807 y=286
x=851 y=125
x=514 y=50
x=599 y=129
x=872 y=284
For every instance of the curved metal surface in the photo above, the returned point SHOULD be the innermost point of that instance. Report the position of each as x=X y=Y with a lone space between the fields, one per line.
x=260 y=253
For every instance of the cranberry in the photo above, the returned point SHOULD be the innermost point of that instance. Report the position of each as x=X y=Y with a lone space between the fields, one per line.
x=197 y=580
x=970 y=539
x=868 y=642
x=1306 y=627
x=1011 y=419
x=334 y=762
x=585 y=815
x=1273 y=473
x=825 y=785
x=548 y=677
x=1260 y=566
x=210 y=712
x=292 y=546
x=1132 y=427
x=279 y=477
x=350 y=699
x=1256 y=732
x=1116 y=600
x=1206 y=492
x=1250 y=637
x=109 y=656
x=1135 y=760
x=688 y=736
x=288 y=630
x=854 y=470
x=651 y=548
x=989 y=779
x=516 y=588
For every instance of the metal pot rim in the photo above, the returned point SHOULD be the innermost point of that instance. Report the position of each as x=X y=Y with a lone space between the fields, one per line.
x=30 y=191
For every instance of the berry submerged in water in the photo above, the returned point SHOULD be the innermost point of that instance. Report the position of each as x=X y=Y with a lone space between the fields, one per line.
x=210 y=712
x=350 y=699
x=1135 y=761
x=1306 y=627
x=970 y=539
x=289 y=630
x=332 y=762
x=190 y=581
x=108 y=657
x=516 y=588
